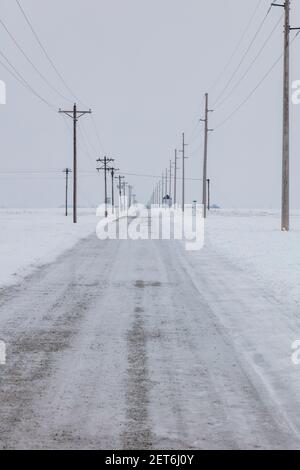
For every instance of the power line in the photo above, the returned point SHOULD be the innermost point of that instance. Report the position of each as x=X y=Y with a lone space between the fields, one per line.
x=31 y=62
x=227 y=65
x=85 y=140
x=251 y=64
x=197 y=123
x=254 y=90
x=250 y=94
x=17 y=76
x=88 y=141
x=97 y=134
x=237 y=46
x=198 y=148
x=51 y=62
x=194 y=141
x=139 y=175
x=53 y=66
x=192 y=138
x=81 y=143
x=228 y=83
x=82 y=173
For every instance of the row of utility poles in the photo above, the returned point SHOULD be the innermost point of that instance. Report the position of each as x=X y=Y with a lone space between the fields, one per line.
x=107 y=167
x=75 y=115
x=162 y=193
x=285 y=196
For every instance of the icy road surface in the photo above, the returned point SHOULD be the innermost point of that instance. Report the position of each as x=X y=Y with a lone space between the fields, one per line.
x=130 y=344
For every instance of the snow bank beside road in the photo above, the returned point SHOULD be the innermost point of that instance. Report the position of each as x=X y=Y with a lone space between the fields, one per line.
x=31 y=237
x=253 y=240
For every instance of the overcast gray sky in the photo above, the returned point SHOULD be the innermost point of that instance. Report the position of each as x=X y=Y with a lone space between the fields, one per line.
x=143 y=67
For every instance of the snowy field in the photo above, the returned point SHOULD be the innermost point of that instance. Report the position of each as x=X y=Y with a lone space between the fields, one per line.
x=32 y=237
x=252 y=239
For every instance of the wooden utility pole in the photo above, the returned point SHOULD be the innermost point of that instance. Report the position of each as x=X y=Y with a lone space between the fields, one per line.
x=75 y=115
x=285 y=222
x=170 y=180
x=285 y=199
x=208 y=194
x=159 y=193
x=67 y=171
x=112 y=172
x=130 y=188
x=166 y=181
x=124 y=184
x=206 y=131
x=183 y=170
x=175 y=177
x=120 y=178
x=105 y=168
x=162 y=188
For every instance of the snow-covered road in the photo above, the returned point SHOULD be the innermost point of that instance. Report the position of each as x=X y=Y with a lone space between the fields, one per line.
x=140 y=344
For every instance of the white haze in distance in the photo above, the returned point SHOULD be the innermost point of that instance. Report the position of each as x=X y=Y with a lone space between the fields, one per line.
x=143 y=67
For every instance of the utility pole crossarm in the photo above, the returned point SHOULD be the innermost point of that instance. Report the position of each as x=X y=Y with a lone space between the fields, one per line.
x=79 y=114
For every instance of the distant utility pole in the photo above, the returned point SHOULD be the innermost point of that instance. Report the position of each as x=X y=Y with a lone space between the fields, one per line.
x=124 y=184
x=75 y=115
x=105 y=168
x=120 y=178
x=183 y=170
x=162 y=188
x=208 y=194
x=159 y=193
x=166 y=181
x=175 y=176
x=206 y=131
x=112 y=172
x=285 y=203
x=170 y=180
x=67 y=171
x=130 y=188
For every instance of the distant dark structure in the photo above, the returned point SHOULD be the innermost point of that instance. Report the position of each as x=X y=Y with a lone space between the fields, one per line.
x=167 y=201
